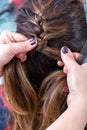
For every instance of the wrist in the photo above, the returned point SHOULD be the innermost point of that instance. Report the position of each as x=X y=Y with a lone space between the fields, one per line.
x=80 y=100
x=73 y=118
x=79 y=106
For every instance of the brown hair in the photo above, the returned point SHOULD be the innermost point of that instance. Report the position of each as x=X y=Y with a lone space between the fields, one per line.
x=35 y=88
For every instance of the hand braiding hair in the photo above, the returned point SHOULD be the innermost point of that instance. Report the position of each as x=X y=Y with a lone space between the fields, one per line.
x=35 y=89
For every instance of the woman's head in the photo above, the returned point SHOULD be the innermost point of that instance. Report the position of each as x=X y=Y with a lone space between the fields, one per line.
x=61 y=21
x=53 y=23
x=39 y=82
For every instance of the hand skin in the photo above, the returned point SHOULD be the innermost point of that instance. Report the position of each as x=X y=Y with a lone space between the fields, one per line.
x=14 y=45
x=75 y=117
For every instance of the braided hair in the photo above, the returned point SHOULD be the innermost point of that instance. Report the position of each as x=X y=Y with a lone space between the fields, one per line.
x=35 y=88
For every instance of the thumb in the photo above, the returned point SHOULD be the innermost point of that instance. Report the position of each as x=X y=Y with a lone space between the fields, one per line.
x=68 y=58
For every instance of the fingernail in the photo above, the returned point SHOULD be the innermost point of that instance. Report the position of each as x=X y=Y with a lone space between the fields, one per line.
x=32 y=41
x=64 y=49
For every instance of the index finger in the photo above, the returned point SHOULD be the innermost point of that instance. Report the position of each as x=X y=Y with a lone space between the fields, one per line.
x=15 y=37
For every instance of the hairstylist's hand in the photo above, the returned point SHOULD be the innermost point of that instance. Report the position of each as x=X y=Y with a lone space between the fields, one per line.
x=76 y=76
x=74 y=117
x=14 y=44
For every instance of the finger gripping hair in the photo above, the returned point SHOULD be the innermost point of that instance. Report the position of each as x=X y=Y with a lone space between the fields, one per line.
x=35 y=89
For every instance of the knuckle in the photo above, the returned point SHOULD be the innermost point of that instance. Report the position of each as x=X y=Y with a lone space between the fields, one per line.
x=11 y=49
x=25 y=45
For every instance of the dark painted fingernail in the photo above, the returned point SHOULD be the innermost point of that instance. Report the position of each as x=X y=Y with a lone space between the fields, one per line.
x=32 y=41
x=64 y=49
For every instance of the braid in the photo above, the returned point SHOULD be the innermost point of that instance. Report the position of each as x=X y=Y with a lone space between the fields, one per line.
x=35 y=88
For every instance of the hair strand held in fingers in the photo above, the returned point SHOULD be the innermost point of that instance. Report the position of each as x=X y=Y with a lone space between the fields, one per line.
x=35 y=88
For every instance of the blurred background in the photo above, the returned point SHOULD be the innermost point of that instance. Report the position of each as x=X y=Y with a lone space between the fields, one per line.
x=7 y=14
x=85 y=7
x=7 y=22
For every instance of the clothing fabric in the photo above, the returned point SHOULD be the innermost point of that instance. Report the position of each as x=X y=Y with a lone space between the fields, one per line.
x=5 y=114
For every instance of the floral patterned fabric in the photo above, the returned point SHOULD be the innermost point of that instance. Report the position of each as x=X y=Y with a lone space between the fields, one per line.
x=5 y=114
